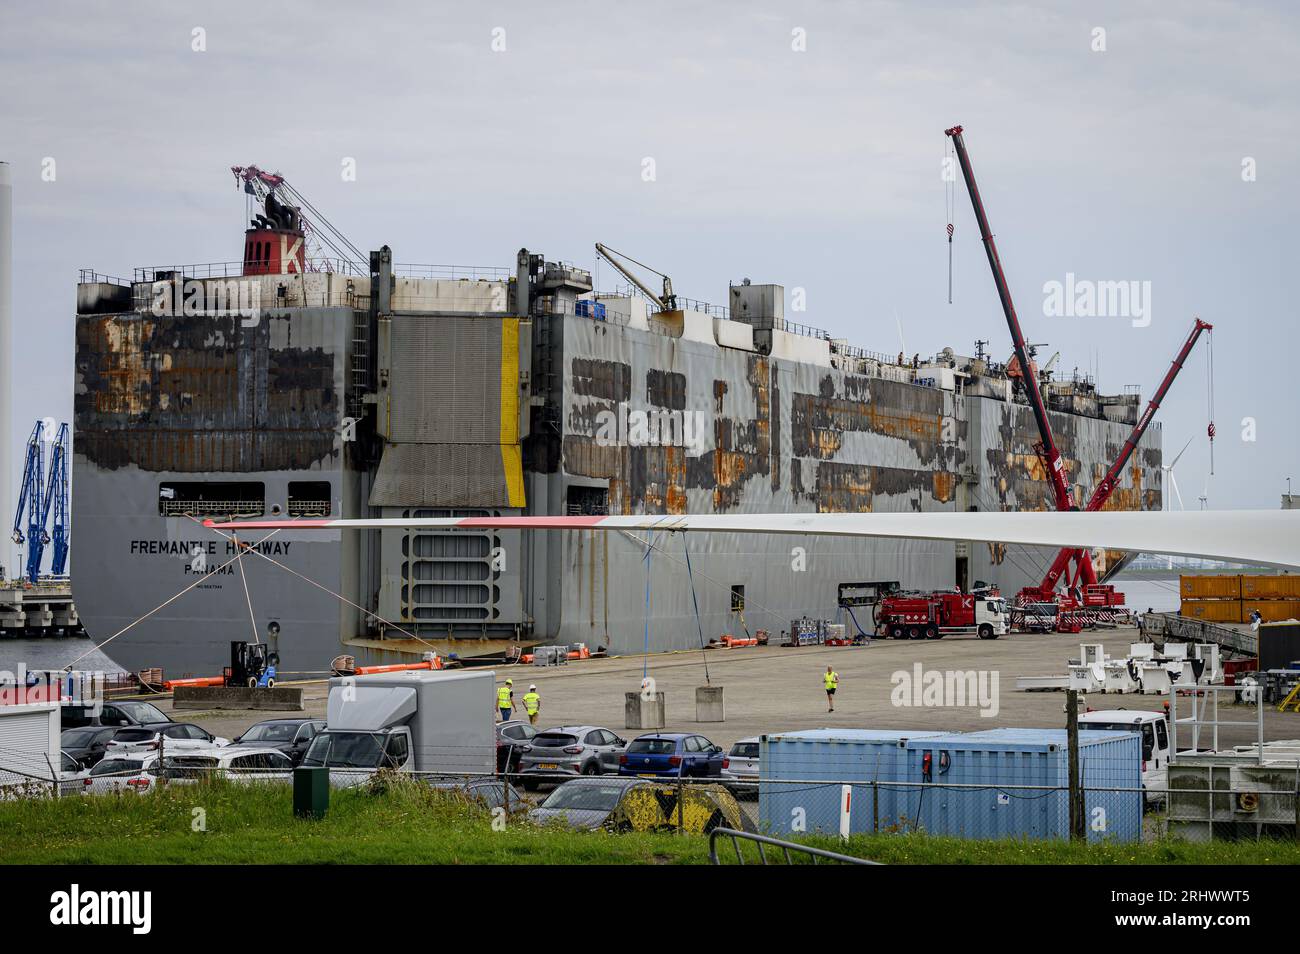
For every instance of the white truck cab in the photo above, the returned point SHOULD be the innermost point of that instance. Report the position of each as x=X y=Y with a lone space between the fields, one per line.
x=417 y=721
x=1155 y=743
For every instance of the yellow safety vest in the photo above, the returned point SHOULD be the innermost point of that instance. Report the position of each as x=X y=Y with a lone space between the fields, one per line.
x=503 y=697
x=831 y=679
x=532 y=702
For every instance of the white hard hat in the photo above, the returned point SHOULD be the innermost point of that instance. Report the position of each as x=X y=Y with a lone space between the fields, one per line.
x=532 y=687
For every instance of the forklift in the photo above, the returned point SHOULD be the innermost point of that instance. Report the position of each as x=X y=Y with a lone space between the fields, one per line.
x=252 y=665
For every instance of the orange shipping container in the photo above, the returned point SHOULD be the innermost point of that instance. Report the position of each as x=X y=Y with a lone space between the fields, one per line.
x=1202 y=587
x=1213 y=611
x=1272 y=611
x=1284 y=587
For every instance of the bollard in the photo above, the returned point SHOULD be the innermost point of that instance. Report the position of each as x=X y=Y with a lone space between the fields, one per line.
x=643 y=711
x=708 y=704
x=311 y=791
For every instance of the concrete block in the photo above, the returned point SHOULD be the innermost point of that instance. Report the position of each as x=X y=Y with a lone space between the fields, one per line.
x=644 y=712
x=278 y=699
x=708 y=704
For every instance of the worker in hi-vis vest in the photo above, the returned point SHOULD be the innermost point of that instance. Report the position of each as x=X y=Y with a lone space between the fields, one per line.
x=506 y=699
x=532 y=704
x=831 y=681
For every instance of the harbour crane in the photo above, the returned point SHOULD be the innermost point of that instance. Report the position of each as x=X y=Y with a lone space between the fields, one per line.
x=322 y=238
x=666 y=301
x=29 y=501
x=1046 y=446
x=56 y=503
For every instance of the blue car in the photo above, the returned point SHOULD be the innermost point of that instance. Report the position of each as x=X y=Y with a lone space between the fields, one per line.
x=670 y=755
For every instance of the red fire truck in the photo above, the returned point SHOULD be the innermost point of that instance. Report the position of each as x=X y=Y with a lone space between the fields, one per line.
x=982 y=612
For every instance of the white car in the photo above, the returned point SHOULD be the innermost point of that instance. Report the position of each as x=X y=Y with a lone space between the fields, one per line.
x=244 y=764
x=122 y=773
x=740 y=770
x=170 y=737
x=72 y=775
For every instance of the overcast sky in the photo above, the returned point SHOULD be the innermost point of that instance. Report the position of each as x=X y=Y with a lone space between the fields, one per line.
x=817 y=168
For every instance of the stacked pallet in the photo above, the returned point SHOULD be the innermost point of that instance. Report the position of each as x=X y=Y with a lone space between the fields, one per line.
x=1234 y=598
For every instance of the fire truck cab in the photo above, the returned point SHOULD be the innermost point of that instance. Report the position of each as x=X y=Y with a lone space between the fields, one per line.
x=935 y=615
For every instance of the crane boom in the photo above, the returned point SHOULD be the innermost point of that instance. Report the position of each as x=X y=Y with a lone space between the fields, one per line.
x=665 y=302
x=1110 y=481
x=1047 y=449
x=29 y=500
x=56 y=502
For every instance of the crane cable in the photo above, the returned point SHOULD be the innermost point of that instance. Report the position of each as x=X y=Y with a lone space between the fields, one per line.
x=950 y=201
x=1209 y=372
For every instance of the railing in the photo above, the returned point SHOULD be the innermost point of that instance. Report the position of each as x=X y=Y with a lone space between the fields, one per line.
x=309 y=508
x=816 y=854
x=482 y=273
x=211 y=508
x=88 y=276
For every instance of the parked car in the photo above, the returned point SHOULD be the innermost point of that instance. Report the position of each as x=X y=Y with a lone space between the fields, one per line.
x=512 y=736
x=488 y=792
x=247 y=764
x=740 y=773
x=570 y=750
x=88 y=743
x=119 y=713
x=171 y=737
x=290 y=736
x=672 y=754
x=635 y=804
x=122 y=773
x=72 y=774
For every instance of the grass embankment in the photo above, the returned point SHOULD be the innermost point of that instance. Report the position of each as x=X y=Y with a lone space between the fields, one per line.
x=411 y=824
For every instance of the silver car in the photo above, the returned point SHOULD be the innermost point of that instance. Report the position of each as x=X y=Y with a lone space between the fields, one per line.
x=740 y=772
x=570 y=750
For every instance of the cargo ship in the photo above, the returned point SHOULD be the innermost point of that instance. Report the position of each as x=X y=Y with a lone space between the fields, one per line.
x=297 y=385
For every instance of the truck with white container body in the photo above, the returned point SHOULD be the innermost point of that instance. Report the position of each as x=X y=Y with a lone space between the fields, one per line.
x=438 y=722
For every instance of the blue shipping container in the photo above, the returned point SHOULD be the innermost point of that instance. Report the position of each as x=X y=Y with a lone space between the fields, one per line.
x=838 y=756
x=991 y=763
x=998 y=759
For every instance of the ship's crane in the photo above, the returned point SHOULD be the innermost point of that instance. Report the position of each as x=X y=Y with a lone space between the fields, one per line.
x=1084 y=574
x=1046 y=447
x=56 y=503
x=666 y=301
x=323 y=239
x=29 y=500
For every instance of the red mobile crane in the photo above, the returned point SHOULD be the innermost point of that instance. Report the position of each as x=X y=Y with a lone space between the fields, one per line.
x=1084 y=577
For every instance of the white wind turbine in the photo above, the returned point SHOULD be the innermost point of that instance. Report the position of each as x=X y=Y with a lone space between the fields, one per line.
x=1173 y=482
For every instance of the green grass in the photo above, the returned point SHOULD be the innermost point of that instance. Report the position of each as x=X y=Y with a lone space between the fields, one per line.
x=411 y=824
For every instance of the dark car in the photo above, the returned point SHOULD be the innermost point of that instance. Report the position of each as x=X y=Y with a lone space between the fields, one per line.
x=488 y=792
x=290 y=736
x=670 y=754
x=117 y=713
x=86 y=744
x=512 y=736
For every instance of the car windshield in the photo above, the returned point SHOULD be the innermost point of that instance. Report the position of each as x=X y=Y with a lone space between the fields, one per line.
x=270 y=732
x=745 y=750
x=598 y=797
x=117 y=767
x=554 y=740
x=142 y=711
x=74 y=738
x=135 y=735
x=346 y=750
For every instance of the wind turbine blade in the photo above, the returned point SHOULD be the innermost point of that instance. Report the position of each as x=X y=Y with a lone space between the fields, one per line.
x=1173 y=481
x=1182 y=452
